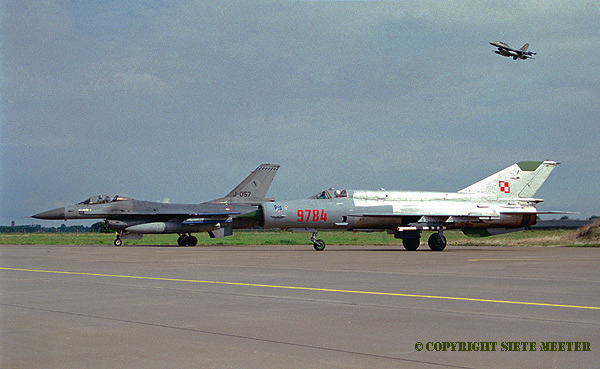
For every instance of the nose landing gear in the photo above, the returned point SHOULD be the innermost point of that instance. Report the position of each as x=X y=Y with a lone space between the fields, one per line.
x=318 y=244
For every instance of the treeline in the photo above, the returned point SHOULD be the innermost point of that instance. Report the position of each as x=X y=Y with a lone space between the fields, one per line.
x=99 y=227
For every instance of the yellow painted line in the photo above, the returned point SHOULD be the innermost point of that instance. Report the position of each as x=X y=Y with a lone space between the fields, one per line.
x=507 y=259
x=306 y=288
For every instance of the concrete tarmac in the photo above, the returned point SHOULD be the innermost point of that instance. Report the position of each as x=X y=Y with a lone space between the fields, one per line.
x=293 y=307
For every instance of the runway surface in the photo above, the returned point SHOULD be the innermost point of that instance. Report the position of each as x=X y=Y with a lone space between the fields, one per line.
x=292 y=307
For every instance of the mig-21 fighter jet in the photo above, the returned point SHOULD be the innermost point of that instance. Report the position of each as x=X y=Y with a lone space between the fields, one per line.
x=500 y=203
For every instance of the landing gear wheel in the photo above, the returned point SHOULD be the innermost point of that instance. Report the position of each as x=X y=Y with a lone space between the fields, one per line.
x=437 y=242
x=411 y=244
x=182 y=241
x=118 y=242
x=192 y=241
x=319 y=245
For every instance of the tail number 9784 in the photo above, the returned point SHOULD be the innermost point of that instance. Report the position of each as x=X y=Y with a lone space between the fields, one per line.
x=314 y=215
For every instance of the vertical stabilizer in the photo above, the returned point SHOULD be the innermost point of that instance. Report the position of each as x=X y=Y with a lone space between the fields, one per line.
x=524 y=47
x=253 y=189
x=519 y=180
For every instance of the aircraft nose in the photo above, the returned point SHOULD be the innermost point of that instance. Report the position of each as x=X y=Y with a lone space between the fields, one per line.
x=54 y=214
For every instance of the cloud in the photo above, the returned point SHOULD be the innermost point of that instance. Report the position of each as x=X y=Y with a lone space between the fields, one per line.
x=172 y=99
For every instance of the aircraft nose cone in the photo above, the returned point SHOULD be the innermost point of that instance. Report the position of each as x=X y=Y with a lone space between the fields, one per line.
x=58 y=213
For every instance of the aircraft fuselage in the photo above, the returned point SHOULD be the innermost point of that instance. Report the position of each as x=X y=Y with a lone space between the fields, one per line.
x=121 y=215
x=390 y=210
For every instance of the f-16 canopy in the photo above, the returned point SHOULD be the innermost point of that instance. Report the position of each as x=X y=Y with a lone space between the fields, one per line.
x=102 y=199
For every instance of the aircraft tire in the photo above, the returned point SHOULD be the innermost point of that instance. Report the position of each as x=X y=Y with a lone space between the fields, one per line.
x=192 y=241
x=411 y=244
x=437 y=242
x=182 y=241
x=319 y=245
x=118 y=242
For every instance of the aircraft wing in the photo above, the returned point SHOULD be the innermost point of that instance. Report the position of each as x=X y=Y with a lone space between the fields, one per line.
x=187 y=218
x=441 y=218
x=182 y=214
x=438 y=214
x=540 y=212
x=503 y=47
x=432 y=221
x=216 y=214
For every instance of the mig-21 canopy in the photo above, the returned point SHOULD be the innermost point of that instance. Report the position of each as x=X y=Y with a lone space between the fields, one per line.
x=330 y=193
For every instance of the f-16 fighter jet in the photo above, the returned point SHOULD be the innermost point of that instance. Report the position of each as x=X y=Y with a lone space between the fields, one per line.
x=505 y=50
x=133 y=218
x=500 y=203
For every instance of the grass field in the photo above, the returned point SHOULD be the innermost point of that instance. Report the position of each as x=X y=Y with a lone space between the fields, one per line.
x=522 y=238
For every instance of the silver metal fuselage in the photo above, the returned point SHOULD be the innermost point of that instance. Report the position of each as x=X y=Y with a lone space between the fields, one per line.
x=393 y=209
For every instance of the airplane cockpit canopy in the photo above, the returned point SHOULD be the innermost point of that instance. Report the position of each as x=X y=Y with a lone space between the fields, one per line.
x=102 y=199
x=330 y=193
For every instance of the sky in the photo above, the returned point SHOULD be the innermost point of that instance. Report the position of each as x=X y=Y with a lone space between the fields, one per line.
x=181 y=100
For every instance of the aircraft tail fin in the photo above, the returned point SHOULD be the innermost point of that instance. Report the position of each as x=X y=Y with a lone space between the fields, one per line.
x=524 y=47
x=521 y=180
x=253 y=189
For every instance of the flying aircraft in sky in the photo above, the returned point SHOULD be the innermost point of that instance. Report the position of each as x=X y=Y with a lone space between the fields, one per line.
x=505 y=50
x=133 y=218
x=502 y=202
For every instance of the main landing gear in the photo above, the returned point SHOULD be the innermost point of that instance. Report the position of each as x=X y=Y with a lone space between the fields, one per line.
x=437 y=241
x=187 y=240
x=318 y=244
x=411 y=244
x=412 y=239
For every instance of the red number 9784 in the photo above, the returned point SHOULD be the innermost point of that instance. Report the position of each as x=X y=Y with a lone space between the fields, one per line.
x=313 y=215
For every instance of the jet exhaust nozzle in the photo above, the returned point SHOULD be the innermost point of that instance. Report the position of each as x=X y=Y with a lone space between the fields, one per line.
x=255 y=216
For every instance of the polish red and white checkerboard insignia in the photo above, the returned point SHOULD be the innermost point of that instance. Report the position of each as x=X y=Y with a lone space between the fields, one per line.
x=504 y=186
